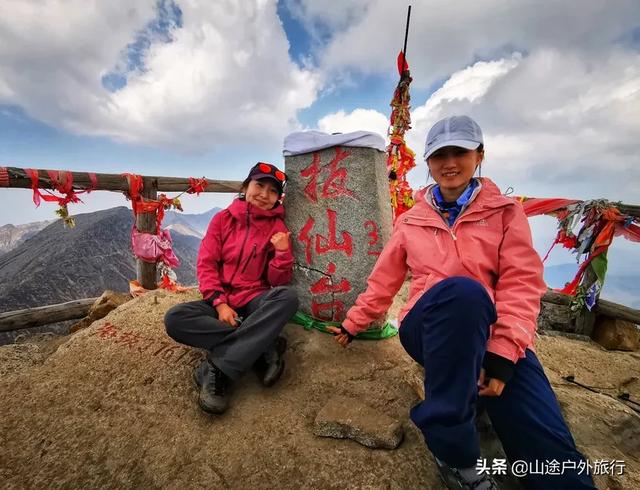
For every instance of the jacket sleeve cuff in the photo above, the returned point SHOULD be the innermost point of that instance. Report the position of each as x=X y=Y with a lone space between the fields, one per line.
x=347 y=333
x=507 y=349
x=284 y=257
x=498 y=367
x=349 y=327
x=216 y=298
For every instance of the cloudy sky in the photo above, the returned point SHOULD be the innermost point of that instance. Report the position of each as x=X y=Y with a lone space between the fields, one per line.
x=204 y=87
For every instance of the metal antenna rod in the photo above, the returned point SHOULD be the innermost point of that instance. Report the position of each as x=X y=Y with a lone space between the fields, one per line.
x=406 y=36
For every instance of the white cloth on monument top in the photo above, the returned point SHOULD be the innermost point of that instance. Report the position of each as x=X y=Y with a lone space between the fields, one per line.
x=309 y=141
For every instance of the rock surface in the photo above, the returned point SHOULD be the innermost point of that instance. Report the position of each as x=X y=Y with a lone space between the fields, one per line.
x=113 y=406
x=556 y=317
x=107 y=302
x=346 y=418
x=615 y=334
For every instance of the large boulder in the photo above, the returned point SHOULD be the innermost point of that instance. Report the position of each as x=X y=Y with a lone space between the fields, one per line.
x=615 y=334
x=107 y=302
x=114 y=406
x=556 y=317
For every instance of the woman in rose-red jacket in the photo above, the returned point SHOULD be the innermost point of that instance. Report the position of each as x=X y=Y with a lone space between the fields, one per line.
x=470 y=321
x=244 y=264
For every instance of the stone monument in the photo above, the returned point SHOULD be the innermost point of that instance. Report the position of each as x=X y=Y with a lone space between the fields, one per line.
x=339 y=214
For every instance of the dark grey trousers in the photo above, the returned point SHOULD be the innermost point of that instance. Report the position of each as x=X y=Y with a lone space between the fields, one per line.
x=233 y=349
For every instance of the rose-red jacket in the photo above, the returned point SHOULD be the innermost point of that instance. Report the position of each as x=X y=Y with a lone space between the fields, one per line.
x=489 y=242
x=237 y=261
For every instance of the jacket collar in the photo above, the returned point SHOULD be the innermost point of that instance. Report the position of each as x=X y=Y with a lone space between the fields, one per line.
x=487 y=196
x=239 y=208
x=466 y=197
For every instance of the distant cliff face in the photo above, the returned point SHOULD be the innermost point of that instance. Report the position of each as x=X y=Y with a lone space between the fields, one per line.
x=13 y=235
x=197 y=222
x=59 y=264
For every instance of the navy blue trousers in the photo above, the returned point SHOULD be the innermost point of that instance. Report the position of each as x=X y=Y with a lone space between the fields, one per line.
x=446 y=332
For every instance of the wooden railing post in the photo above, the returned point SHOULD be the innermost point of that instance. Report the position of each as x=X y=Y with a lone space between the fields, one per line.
x=146 y=222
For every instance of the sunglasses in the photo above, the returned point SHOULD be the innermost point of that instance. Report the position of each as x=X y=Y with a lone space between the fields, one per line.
x=267 y=168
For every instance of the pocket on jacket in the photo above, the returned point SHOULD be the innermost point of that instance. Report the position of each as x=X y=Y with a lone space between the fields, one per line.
x=253 y=268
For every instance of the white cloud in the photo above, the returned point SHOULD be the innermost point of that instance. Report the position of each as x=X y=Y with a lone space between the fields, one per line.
x=357 y=120
x=226 y=76
x=445 y=36
x=466 y=87
x=555 y=123
x=322 y=19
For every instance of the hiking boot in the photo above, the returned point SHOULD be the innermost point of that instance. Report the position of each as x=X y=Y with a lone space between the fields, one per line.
x=200 y=372
x=453 y=478
x=214 y=391
x=270 y=365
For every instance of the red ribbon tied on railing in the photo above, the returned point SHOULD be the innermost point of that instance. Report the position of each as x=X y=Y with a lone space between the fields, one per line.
x=4 y=177
x=61 y=181
x=196 y=186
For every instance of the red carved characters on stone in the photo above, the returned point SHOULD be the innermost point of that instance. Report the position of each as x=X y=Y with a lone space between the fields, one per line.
x=325 y=285
x=335 y=308
x=325 y=244
x=312 y=171
x=374 y=236
x=107 y=331
x=335 y=185
x=130 y=338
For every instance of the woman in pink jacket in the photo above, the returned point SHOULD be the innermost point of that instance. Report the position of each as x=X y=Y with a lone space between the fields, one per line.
x=476 y=284
x=244 y=264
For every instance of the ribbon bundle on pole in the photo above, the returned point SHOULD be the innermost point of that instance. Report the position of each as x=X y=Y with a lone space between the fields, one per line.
x=400 y=158
x=599 y=221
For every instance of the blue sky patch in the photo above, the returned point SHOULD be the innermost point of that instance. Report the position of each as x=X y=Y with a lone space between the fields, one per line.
x=160 y=29
x=300 y=42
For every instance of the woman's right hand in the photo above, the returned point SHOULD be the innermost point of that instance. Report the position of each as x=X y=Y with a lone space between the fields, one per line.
x=342 y=336
x=227 y=314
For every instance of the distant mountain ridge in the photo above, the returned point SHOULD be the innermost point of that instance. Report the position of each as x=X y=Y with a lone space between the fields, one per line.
x=13 y=235
x=197 y=222
x=58 y=264
x=50 y=264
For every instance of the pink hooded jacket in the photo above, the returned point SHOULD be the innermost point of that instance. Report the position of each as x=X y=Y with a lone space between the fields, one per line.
x=237 y=261
x=489 y=242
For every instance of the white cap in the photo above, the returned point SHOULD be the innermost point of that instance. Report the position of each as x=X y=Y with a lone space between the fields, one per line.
x=459 y=131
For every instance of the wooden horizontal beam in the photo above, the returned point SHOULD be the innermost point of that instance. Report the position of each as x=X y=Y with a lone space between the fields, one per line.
x=614 y=310
x=44 y=315
x=629 y=210
x=18 y=178
x=602 y=307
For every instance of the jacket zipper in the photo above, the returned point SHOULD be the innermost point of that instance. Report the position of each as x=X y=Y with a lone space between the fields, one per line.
x=244 y=242
x=252 y=256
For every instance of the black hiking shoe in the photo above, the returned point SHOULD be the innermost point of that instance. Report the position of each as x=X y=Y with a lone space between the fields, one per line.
x=270 y=365
x=200 y=372
x=454 y=480
x=214 y=391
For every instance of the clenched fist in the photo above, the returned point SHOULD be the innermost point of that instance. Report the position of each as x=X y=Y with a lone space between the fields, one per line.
x=280 y=241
